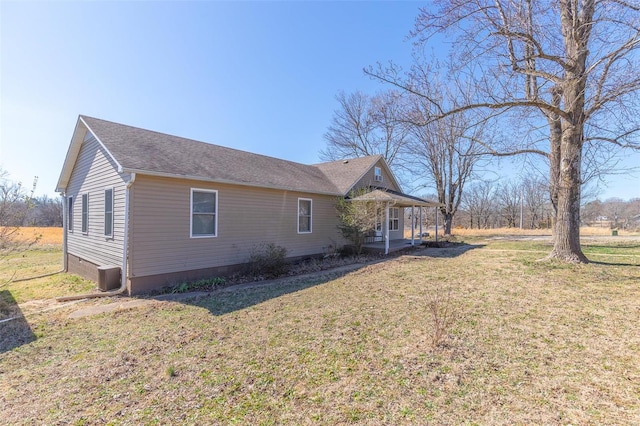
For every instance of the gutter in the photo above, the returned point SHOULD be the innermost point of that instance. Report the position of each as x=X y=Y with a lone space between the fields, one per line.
x=125 y=248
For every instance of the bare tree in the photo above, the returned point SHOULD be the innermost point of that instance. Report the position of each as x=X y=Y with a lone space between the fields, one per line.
x=509 y=197
x=365 y=125
x=480 y=202
x=574 y=61
x=535 y=197
x=45 y=212
x=14 y=207
x=443 y=152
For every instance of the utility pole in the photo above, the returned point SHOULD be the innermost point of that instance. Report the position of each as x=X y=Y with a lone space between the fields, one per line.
x=521 y=205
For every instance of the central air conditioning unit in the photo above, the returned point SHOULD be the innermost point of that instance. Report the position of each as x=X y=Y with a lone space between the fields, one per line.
x=108 y=278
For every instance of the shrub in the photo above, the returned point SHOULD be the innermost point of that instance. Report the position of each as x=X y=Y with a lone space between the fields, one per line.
x=443 y=316
x=205 y=284
x=267 y=260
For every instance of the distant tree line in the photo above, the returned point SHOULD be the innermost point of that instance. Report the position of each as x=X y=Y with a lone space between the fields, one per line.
x=525 y=204
x=21 y=208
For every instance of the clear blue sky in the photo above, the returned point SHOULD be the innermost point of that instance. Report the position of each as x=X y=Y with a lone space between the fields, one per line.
x=256 y=76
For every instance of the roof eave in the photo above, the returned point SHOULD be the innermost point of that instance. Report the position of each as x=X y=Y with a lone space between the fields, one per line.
x=223 y=181
x=72 y=154
x=79 y=135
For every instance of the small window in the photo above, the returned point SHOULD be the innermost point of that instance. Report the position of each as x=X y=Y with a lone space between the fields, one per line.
x=304 y=215
x=70 y=214
x=204 y=213
x=85 y=213
x=394 y=219
x=108 y=212
x=377 y=174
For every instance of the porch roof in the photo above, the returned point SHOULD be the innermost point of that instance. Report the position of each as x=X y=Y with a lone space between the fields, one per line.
x=398 y=199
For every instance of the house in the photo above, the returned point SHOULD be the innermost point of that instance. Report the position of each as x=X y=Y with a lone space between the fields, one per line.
x=159 y=209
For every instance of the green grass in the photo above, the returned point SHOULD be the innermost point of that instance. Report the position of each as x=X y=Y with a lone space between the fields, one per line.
x=38 y=260
x=532 y=343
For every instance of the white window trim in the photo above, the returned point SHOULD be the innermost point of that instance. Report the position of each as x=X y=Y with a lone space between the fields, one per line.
x=377 y=174
x=310 y=216
x=70 y=214
x=215 y=214
x=393 y=218
x=85 y=231
x=113 y=199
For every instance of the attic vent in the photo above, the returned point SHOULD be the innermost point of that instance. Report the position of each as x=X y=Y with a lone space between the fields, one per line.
x=345 y=162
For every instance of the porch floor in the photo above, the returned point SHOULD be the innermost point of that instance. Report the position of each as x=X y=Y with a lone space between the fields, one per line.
x=394 y=245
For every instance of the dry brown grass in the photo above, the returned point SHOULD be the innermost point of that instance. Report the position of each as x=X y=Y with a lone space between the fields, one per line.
x=45 y=236
x=532 y=343
x=584 y=231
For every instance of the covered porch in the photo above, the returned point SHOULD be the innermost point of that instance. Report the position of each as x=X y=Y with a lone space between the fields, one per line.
x=394 y=245
x=388 y=198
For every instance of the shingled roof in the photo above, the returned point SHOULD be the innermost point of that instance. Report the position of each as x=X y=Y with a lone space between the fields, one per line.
x=147 y=152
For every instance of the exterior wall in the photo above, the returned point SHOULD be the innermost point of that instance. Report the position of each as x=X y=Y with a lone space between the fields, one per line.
x=160 y=242
x=387 y=182
x=368 y=179
x=93 y=172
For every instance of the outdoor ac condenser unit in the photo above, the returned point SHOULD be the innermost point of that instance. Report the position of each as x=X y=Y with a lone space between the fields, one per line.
x=108 y=278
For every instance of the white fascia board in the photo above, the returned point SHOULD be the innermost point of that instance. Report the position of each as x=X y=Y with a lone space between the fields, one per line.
x=72 y=155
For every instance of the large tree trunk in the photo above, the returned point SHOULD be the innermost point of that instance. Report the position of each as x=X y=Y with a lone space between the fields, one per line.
x=555 y=140
x=448 y=220
x=576 y=29
x=566 y=232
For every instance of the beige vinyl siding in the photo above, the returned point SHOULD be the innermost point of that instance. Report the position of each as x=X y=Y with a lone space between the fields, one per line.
x=93 y=172
x=247 y=216
x=369 y=179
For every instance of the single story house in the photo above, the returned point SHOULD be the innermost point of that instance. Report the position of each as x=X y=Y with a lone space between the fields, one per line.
x=159 y=209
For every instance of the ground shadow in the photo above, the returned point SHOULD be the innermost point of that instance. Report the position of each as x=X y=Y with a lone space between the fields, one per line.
x=14 y=328
x=632 y=246
x=238 y=297
x=599 y=262
x=449 y=250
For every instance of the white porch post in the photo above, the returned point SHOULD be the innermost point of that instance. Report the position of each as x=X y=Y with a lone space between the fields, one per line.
x=436 y=224
x=386 y=229
x=421 y=224
x=413 y=224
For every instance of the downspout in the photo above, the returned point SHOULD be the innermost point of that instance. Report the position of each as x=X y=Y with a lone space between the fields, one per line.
x=125 y=247
x=65 y=229
x=125 y=243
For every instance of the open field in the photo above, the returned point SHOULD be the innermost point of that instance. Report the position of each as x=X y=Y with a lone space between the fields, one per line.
x=585 y=231
x=530 y=343
x=44 y=236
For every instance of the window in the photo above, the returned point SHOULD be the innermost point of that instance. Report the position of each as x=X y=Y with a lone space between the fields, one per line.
x=394 y=219
x=85 y=213
x=304 y=216
x=108 y=212
x=70 y=214
x=204 y=213
x=377 y=171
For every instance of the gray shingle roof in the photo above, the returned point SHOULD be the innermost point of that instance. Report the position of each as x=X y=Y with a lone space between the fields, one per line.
x=150 y=152
x=345 y=173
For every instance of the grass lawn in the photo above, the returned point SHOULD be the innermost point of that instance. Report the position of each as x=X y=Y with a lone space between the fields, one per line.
x=530 y=343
